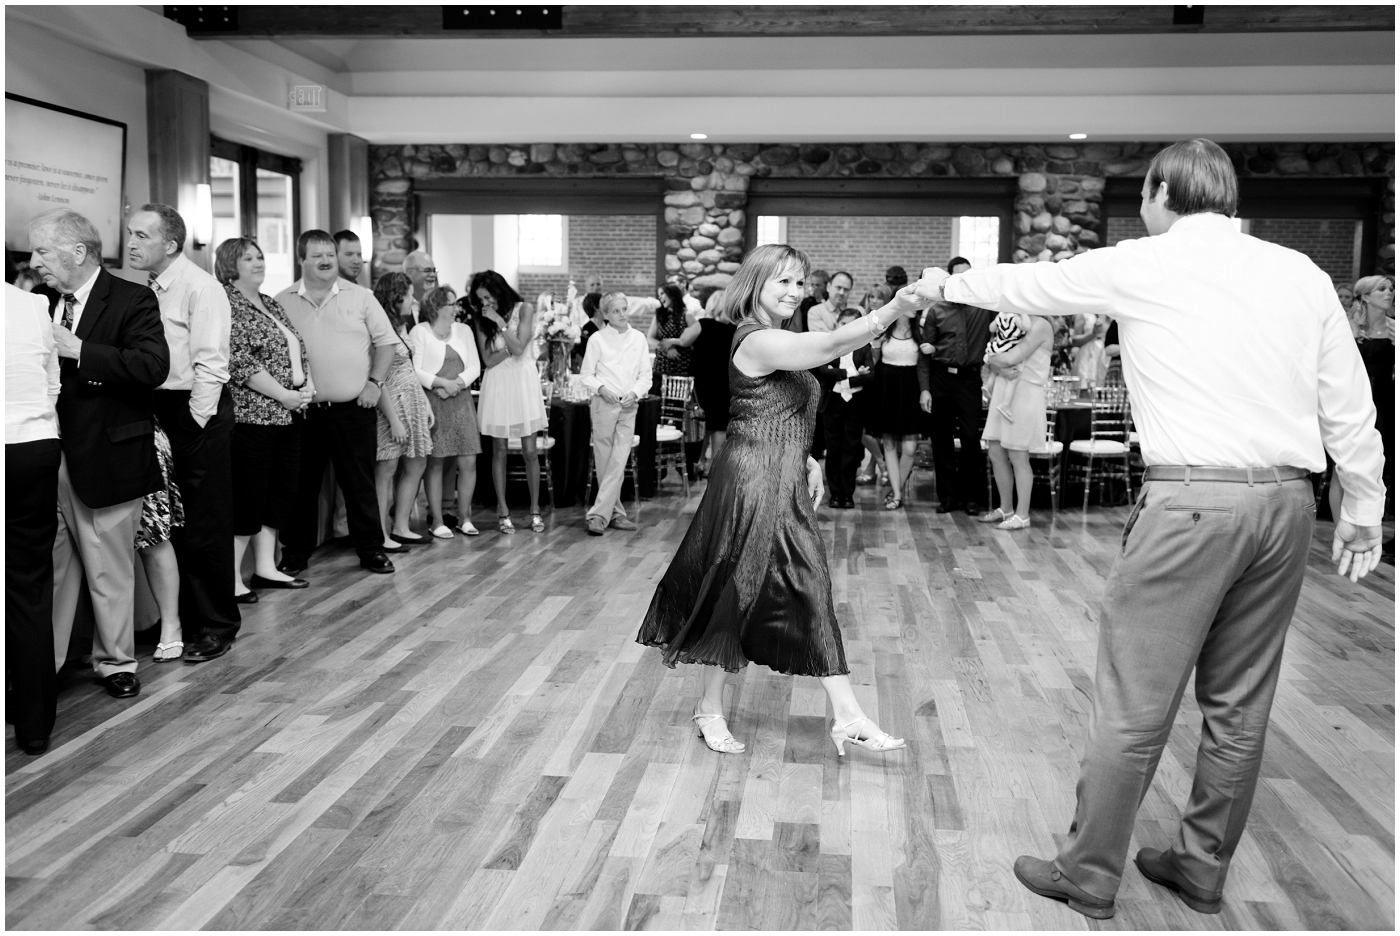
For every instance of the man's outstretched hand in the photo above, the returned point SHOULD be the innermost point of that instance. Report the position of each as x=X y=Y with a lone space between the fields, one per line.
x=927 y=287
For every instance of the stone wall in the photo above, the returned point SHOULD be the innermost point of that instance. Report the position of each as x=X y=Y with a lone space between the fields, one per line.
x=1057 y=208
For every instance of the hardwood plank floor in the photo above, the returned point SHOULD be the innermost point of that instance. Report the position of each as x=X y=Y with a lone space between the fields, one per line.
x=476 y=742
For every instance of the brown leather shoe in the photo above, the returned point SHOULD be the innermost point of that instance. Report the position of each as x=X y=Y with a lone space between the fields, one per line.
x=1043 y=878
x=1158 y=868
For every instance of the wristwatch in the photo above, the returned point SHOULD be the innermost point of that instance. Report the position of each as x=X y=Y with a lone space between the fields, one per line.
x=377 y=382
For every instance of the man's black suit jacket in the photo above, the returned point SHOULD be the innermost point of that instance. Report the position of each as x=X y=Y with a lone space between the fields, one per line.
x=831 y=374
x=104 y=401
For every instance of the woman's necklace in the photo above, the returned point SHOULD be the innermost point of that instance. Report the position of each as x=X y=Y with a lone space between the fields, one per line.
x=445 y=333
x=1375 y=326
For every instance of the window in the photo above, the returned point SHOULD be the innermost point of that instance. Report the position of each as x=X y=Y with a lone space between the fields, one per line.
x=543 y=243
x=258 y=194
x=977 y=240
x=771 y=230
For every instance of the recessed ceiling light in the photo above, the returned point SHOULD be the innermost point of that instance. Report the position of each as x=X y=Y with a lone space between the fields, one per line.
x=1079 y=136
x=699 y=136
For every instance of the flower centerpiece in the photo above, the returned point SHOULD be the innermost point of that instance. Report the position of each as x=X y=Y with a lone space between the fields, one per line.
x=555 y=325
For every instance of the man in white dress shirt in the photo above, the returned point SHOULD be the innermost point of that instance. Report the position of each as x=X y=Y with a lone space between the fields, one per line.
x=617 y=370
x=1241 y=368
x=822 y=316
x=197 y=415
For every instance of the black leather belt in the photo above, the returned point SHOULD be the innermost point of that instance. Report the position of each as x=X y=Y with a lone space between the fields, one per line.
x=1189 y=473
x=957 y=368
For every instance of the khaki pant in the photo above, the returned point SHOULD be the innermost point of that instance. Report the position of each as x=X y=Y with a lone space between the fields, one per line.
x=612 y=443
x=1207 y=579
x=101 y=545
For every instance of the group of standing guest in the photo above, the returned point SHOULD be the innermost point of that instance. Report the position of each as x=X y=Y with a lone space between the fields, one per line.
x=128 y=449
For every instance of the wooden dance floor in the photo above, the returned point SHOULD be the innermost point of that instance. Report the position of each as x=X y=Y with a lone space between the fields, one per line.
x=476 y=743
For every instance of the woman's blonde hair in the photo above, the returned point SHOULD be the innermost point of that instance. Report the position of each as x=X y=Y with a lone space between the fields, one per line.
x=1364 y=287
x=762 y=264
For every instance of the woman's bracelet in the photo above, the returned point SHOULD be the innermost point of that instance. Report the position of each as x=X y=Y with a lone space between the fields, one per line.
x=874 y=324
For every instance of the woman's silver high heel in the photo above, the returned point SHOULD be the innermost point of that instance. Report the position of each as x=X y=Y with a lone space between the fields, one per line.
x=881 y=743
x=725 y=745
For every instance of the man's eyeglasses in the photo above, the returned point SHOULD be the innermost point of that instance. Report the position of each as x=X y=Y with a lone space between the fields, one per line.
x=432 y=270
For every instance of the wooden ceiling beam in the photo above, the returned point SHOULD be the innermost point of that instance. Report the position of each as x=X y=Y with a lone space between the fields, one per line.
x=597 y=22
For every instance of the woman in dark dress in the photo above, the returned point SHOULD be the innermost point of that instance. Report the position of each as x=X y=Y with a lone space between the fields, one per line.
x=750 y=582
x=710 y=340
x=1374 y=326
x=670 y=322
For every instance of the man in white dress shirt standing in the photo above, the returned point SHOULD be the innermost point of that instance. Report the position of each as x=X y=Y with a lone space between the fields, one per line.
x=617 y=370
x=197 y=415
x=1241 y=368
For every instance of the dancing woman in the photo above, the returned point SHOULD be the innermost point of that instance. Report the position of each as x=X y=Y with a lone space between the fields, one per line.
x=750 y=581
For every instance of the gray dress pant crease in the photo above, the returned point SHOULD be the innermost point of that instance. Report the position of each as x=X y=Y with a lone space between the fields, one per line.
x=99 y=544
x=1207 y=579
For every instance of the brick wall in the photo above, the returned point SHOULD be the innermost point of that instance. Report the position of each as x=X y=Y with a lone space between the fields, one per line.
x=1331 y=244
x=866 y=247
x=1120 y=229
x=621 y=248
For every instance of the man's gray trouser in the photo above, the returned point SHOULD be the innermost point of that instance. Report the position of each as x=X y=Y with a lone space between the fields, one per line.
x=1207 y=578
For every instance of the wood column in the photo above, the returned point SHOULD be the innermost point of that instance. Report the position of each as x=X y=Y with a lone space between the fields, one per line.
x=177 y=120
x=348 y=169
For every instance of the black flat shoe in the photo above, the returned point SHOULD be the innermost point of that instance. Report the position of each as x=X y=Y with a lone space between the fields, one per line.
x=208 y=647
x=257 y=581
x=291 y=563
x=248 y=597
x=411 y=540
x=378 y=562
x=393 y=549
x=949 y=507
x=34 y=748
x=122 y=685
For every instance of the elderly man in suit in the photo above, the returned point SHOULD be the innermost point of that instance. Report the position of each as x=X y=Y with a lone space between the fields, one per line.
x=112 y=355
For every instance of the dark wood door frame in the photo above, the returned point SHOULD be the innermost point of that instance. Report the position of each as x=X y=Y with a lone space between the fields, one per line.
x=1357 y=199
x=884 y=198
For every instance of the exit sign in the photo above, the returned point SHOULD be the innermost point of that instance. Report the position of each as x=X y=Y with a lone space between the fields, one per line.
x=307 y=98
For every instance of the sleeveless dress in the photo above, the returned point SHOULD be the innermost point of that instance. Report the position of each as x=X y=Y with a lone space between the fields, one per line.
x=408 y=398
x=750 y=582
x=512 y=405
x=1026 y=430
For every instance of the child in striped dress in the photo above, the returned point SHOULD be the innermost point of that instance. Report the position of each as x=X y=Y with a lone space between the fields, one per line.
x=1007 y=330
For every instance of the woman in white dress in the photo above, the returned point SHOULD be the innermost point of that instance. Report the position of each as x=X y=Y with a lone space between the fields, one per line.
x=511 y=406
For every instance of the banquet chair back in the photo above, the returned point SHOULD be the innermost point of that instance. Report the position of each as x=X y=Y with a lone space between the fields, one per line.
x=1047 y=458
x=670 y=431
x=1106 y=454
x=544 y=444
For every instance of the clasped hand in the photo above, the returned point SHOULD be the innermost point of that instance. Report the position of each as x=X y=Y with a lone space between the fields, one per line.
x=627 y=399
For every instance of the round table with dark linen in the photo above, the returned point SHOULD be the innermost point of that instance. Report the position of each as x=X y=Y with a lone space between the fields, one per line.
x=571 y=427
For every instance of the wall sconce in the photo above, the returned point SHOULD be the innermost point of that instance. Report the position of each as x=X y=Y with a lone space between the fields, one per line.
x=203 y=215
x=364 y=229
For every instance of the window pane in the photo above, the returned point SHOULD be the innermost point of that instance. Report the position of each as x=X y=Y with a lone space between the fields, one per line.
x=541 y=240
x=770 y=230
x=223 y=180
x=977 y=240
x=274 y=229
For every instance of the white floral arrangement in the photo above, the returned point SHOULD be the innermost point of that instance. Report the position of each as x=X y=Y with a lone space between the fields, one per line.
x=553 y=322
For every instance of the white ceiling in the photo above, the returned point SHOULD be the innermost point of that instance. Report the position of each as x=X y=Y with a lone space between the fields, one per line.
x=1274 y=86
